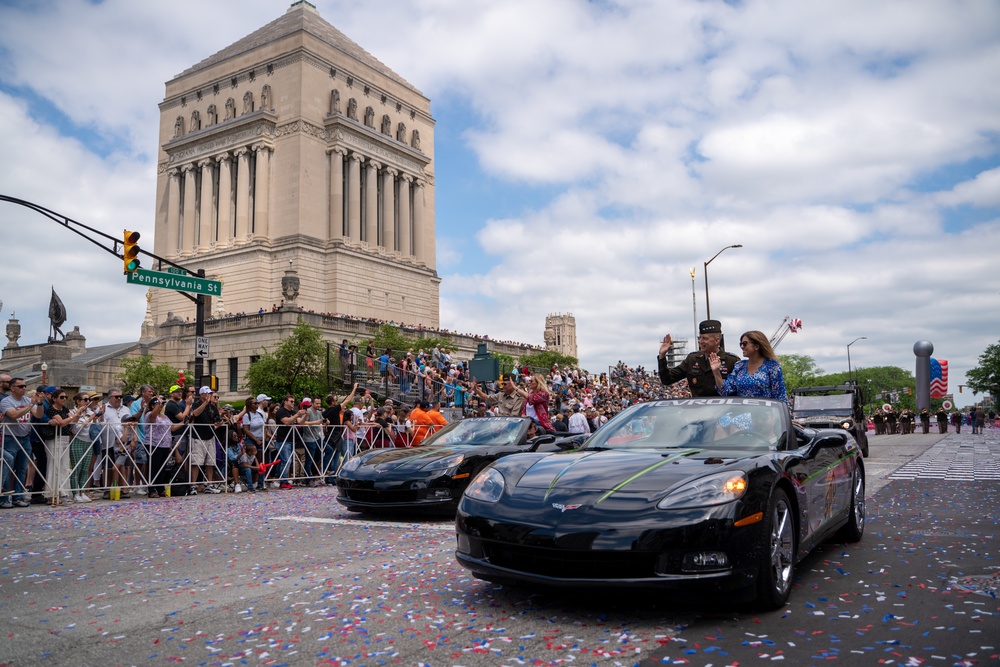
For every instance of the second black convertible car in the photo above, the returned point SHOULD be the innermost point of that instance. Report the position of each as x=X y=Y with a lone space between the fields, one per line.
x=433 y=475
x=723 y=493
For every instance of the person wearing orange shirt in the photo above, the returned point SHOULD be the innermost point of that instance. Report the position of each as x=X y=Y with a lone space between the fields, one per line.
x=423 y=424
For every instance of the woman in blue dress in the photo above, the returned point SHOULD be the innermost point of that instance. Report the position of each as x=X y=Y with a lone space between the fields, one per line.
x=757 y=376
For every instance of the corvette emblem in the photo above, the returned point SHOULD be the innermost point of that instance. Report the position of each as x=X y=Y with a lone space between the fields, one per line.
x=564 y=508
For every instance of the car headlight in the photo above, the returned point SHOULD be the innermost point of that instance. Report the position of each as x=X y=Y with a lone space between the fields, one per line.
x=487 y=486
x=716 y=489
x=446 y=462
x=353 y=463
x=847 y=424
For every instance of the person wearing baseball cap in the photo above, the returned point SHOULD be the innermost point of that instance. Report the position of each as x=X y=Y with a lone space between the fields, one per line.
x=696 y=368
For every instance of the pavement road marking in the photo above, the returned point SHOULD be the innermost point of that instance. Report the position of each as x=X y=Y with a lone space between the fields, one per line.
x=442 y=527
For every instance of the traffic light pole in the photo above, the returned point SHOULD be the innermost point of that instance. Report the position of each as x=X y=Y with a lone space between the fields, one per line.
x=199 y=332
x=73 y=225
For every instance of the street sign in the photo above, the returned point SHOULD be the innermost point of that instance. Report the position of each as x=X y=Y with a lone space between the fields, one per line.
x=179 y=272
x=201 y=347
x=176 y=282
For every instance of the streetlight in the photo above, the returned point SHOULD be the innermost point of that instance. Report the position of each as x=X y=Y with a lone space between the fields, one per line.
x=849 y=354
x=708 y=309
x=694 y=306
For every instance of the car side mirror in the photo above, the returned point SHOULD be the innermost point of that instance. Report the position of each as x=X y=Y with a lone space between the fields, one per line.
x=540 y=440
x=831 y=441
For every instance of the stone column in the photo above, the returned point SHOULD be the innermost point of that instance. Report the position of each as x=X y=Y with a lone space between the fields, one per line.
x=389 y=209
x=242 y=194
x=225 y=199
x=205 y=236
x=419 y=248
x=404 y=215
x=190 y=192
x=354 y=197
x=262 y=190
x=336 y=192
x=173 y=212
x=371 y=203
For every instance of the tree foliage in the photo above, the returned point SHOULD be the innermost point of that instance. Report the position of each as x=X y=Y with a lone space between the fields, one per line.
x=799 y=369
x=296 y=366
x=137 y=371
x=546 y=359
x=507 y=361
x=985 y=378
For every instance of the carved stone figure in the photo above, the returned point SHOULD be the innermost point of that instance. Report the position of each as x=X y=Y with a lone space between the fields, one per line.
x=334 y=102
x=178 y=126
x=352 y=109
x=370 y=117
x=550 y=338
x=247 y=102
x=211 y=116
x=230 y=109
x=13 y=331
x=265 y=97
x=415 y=141
x=401 y=132
x=386 y=125
x=195 y=121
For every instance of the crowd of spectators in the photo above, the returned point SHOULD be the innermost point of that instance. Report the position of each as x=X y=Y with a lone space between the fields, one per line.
x=59 y=449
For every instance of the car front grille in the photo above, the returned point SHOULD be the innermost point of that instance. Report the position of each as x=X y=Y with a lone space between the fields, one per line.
x=382 y=495
x=565 y=564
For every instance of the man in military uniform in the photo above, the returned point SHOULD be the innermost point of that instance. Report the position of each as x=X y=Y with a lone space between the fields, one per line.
x=891 y=418
x=695 y=366
x=925 y=421
x=879 y=422
x=942 y=420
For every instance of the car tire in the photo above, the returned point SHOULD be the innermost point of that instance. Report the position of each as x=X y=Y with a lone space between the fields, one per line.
x=855 y=526
x=778 y=549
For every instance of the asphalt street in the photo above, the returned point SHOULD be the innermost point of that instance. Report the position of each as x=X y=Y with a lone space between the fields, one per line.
x=290 y=578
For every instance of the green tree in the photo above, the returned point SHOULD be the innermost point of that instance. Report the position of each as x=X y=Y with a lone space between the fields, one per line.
x=545 y=359
x=985 y=378
x=507 y=361
x=137 y=371
x=297 y=365
x=799 y=369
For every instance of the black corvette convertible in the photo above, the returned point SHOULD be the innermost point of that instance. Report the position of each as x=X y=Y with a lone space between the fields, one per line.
x=723 y=493
x=433 y=475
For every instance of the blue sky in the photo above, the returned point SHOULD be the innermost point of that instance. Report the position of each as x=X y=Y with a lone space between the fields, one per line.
x=587 y=156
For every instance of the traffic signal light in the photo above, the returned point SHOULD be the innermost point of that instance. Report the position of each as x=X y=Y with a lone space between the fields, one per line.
x=213 y=382
x=130 y=252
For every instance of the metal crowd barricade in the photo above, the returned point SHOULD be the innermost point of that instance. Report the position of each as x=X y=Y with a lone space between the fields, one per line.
x=105 y=458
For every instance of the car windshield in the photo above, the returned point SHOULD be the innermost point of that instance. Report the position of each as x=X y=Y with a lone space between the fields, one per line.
x=814 y=402
x=481 y=431
x=708 y=424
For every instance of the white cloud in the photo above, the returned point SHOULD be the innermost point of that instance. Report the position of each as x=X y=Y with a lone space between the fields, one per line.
x=665 y=131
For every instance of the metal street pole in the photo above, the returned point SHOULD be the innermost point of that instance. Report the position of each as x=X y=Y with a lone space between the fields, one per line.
x=694 y=307
x=708 y=308
x=849 y=378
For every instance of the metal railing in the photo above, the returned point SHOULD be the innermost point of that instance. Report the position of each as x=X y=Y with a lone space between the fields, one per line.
x=56 y=466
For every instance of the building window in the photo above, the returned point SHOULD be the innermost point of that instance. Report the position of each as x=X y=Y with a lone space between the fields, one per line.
x=234 y=374
x=212 y=367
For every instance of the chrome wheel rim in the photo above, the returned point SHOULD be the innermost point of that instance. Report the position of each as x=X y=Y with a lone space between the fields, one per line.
x=782 y=545
x=859 y=500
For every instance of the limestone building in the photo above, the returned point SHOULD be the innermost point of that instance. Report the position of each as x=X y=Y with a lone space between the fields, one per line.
x=560 y=334
x=296 y=149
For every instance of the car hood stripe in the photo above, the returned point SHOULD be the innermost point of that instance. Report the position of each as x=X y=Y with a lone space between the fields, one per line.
x=648 y=470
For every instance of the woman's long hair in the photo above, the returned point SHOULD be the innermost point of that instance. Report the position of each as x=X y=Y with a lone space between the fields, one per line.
x=760 y=340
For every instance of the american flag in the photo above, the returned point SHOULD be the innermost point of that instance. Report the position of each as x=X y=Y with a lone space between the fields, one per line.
x=939 y=378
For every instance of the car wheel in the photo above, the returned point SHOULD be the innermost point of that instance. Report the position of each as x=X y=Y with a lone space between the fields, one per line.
x=855 y=527
x=777 y=569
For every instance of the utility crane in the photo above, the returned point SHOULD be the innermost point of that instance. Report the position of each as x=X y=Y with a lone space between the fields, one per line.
x=788 y=325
